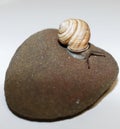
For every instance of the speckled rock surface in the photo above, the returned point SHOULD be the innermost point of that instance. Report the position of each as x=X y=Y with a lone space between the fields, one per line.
x=45 y=83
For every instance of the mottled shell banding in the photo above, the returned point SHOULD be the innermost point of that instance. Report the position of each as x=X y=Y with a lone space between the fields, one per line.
x=74 y=33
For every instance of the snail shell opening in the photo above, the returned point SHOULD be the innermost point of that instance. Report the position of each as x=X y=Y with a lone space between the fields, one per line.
x=74 y=33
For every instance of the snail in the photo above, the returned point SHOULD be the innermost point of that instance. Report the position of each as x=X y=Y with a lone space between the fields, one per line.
x=75 y=34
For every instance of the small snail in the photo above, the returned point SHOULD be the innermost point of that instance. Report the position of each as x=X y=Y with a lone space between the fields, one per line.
x=75 y=34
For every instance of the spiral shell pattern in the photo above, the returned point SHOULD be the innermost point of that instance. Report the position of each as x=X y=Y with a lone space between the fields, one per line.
x=74 y=33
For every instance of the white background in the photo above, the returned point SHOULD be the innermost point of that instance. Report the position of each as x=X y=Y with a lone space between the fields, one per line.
x=21 y=18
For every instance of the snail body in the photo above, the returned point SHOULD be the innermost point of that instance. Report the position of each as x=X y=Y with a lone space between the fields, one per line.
x=74 y=33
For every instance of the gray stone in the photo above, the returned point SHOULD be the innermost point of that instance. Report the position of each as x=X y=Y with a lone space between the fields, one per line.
x=45 y=83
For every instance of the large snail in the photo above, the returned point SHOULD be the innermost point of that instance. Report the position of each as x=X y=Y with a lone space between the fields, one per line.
x=75 y=34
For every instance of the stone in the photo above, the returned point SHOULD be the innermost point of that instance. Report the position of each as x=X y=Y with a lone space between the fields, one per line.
x=45 y=83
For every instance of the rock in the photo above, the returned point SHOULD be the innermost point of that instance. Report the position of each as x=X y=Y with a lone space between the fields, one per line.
x=45 y=83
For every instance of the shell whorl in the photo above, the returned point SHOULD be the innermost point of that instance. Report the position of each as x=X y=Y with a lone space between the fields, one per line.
x=74 y=33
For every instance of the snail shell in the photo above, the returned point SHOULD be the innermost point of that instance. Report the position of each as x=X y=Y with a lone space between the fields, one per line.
x=74 y=33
